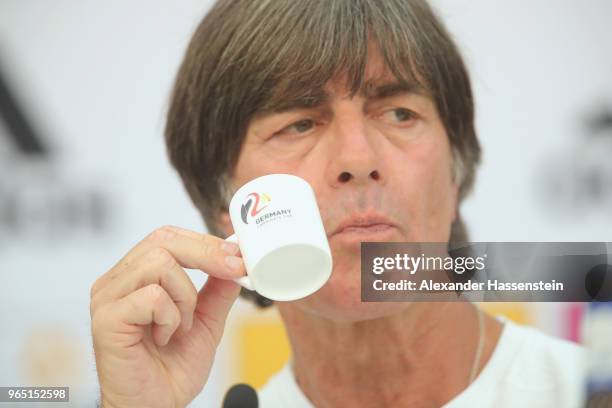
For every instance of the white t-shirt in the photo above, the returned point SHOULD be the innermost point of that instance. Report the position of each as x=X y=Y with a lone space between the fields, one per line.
x=527 y=369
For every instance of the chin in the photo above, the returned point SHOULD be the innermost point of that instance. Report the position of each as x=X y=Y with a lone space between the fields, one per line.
x=339 y=300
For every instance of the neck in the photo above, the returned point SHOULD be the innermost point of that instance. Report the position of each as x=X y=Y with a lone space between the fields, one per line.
x=422 y=356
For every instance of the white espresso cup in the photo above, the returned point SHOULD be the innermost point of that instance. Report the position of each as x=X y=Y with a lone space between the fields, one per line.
x=279 y=230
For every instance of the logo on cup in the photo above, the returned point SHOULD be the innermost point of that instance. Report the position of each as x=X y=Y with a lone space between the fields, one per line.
x=254 y=202
x=253 y=206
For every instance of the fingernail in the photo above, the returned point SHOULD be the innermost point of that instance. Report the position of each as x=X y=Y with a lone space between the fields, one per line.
x=233 y=262
x=230 y=248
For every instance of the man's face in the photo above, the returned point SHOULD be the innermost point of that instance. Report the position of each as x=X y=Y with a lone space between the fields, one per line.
x=380 y=168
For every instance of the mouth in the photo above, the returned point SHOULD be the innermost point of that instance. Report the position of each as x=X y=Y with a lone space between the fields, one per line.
x=364 y=225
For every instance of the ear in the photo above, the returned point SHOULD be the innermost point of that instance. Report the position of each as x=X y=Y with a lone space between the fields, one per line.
x=225 y=224
x=454 y=201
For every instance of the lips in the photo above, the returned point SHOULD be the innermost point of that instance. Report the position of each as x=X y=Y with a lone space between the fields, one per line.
x=363 y=223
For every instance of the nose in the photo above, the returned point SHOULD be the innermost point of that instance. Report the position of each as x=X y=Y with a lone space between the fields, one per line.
x=354 y=157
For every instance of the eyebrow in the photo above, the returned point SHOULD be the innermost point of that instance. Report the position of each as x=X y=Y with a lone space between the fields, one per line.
x=320 y=97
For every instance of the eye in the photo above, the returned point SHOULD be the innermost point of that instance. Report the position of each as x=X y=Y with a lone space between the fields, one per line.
x=297 y=128
x=399 y=115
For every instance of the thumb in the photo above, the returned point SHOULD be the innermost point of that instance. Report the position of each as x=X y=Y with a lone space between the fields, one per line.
x=214 y=302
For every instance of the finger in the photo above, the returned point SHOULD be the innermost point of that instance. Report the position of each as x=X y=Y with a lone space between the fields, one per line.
x=229 y=247
x=148 y=305
x=215 y=300
x=159 y=267
x=206 y=252
x=191 y=249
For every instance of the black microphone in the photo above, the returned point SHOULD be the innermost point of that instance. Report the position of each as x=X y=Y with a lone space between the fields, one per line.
x=241 y=396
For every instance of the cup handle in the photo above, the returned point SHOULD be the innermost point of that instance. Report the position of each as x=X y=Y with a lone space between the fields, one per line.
x=243 y=281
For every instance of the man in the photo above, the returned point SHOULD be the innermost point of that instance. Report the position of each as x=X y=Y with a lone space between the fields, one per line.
x=369 y=101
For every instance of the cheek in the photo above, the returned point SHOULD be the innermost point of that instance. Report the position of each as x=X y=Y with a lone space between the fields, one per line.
x=255 y=162
x=438 y=198
x=422 y=177
x=257 y=159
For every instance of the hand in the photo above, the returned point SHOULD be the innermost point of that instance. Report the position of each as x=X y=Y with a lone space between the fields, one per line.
x=154 y=334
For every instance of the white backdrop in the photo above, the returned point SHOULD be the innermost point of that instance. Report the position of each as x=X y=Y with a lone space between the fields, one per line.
x=95 y=78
